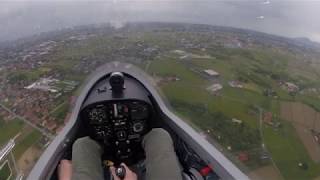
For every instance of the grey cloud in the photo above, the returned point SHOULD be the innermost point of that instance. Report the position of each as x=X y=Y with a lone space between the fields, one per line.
x=288 y=18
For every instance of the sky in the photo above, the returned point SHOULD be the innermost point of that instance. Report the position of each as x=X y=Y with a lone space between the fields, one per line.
x=290 y=18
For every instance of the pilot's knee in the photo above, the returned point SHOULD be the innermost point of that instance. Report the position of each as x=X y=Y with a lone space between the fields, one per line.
x=159 y=135
x=84 y=143
x=161 y=132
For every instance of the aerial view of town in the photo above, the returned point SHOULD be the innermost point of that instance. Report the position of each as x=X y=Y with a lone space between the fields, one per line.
x=256 y=96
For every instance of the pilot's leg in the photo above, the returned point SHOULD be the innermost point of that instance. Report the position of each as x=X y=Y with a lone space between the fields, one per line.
x=86 y=160
x=161 y=160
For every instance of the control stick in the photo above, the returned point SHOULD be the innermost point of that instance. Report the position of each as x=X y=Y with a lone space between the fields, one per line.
x=121 y=172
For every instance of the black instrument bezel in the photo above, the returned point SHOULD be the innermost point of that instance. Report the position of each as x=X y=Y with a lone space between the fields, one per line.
x=109 y=142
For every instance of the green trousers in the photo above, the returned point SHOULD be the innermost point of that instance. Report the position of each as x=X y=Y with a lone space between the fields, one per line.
x=161 y=160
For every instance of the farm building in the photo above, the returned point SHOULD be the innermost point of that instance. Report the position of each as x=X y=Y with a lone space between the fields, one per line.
x=291 y=87
x=234 y=120
x=243 y=156
x=211 y=72
x=267 y=117
x=235 y=84
x=215 y=87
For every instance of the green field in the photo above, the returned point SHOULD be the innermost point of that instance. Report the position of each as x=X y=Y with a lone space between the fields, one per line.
x=191 y=100
x=191 y=89
x=27 y=141
x=26 y=138
x=5 y=171
x=170 y=66
x=9 y=129
x=287 y=152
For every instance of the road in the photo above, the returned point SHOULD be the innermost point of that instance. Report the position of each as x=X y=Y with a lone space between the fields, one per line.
x=42 y=130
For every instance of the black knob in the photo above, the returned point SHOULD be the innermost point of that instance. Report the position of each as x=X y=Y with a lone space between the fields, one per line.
x=117 y=81
x=121 y=172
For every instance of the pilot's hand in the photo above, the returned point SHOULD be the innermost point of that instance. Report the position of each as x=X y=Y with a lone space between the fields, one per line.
x=65 y=170
x=130 y=175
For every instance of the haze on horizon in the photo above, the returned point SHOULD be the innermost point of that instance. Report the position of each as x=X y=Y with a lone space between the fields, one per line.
x=21 y=18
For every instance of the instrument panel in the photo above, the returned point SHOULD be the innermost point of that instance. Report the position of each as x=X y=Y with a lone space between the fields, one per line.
x=119 y=124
